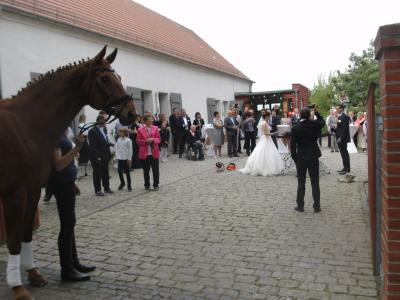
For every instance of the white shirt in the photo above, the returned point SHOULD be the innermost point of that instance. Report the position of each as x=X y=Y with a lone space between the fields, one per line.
x=185 y=121
x=103 y=133
x=149 y=149
x=123 y=149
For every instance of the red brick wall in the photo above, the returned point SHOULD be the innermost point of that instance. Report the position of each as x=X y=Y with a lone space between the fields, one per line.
x=387 y=49
x=303 y=94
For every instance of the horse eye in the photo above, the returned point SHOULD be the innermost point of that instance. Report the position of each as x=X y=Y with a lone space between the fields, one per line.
x=104 y=79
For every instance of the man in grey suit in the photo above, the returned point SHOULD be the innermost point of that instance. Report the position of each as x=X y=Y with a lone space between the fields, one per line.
x=231 y=126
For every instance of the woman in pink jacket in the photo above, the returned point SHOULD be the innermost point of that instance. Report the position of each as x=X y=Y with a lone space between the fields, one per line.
x=148 y=139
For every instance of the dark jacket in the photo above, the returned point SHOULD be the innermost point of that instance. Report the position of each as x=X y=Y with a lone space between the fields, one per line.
x=228 y=124
x=295 y=120
x=198 y=122
x=181 y=130
x=68 y=174
x=342 y=129
x=164 y=135
x=275 y=121
x=99 y=146
x=304 y=137
x=249 y=125
x=173 y=123
x=190 y=139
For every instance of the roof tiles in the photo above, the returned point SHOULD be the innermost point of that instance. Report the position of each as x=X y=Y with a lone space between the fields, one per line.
x=131 y=22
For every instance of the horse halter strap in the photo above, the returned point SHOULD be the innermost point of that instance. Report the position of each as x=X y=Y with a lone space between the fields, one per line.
x=111 y=108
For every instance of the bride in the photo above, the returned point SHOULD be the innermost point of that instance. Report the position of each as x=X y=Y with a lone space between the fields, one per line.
x=265 y=160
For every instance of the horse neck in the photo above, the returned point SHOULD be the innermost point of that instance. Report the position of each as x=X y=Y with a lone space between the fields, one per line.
x=47 y=112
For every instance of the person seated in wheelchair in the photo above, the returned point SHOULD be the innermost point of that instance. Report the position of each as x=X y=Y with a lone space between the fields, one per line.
x=195 y=143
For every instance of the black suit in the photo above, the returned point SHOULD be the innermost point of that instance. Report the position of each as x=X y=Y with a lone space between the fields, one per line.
x=173 y=122
x=181 y=130
x=343 y=137
x=100 y=156
x=232 y=135
x=274 y=122
x=305 y=152
x=295 y=119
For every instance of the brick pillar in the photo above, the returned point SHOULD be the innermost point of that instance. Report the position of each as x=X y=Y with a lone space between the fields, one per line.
x=303 y=93
x=387 y=49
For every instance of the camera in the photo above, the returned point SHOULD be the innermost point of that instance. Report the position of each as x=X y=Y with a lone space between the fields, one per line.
x=311 y=106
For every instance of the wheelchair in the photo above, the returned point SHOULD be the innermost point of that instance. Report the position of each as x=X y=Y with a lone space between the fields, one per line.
x=191 y=155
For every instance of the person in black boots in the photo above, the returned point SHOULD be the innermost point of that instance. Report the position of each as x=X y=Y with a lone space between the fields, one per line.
x=62 y=180
x=48 y=193
x=343 y=137
x=100 y=156
x=305 y=153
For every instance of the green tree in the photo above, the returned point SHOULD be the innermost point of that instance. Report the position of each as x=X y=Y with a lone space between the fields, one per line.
x=362 y=70
x=323 y=94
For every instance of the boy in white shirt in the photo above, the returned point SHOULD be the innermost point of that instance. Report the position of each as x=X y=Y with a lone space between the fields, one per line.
x=123 y=152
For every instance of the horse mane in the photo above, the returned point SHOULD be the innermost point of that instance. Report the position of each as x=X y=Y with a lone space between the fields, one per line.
x=49 y=75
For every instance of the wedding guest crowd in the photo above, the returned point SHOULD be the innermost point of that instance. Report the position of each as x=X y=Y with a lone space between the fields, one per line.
x=148 y=140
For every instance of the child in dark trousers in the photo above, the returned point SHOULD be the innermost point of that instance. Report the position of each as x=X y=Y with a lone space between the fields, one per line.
x=164 y=135
x=123 y=152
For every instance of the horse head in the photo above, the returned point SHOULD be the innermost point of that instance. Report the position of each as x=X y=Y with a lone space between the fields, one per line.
x=104 y=90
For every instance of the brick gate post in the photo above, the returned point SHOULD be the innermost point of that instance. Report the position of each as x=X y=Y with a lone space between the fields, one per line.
x=387 y=50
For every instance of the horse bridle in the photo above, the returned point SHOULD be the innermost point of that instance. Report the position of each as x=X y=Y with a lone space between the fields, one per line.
x=111 y=108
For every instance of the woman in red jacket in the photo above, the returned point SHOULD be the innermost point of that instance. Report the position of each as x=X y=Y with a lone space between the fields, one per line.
x=148 y=139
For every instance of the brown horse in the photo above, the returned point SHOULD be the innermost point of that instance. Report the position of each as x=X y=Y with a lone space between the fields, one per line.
x=30 y=125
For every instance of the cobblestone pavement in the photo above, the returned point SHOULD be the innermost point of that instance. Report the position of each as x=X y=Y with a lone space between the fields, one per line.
x=208 y=235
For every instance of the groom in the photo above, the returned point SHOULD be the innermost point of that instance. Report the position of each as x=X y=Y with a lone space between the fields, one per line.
x=305 y=153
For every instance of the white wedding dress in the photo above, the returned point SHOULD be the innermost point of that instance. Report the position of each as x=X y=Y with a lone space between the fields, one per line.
x=265 y=160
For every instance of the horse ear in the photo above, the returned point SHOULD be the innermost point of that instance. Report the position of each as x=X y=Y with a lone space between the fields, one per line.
x=100 y=55
x=110 y=59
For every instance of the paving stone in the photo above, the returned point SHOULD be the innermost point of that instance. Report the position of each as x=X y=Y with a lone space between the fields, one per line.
x=208 y=235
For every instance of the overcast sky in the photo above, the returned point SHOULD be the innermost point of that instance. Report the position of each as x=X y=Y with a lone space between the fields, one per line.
x=280 y=42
